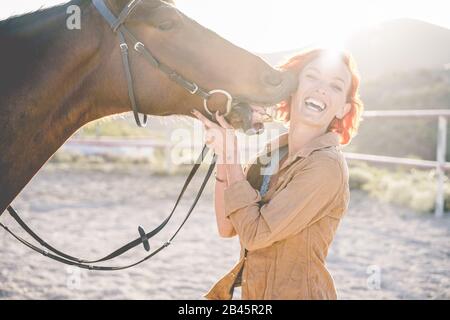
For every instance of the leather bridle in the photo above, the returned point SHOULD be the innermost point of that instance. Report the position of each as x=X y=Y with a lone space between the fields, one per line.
x=117 y=25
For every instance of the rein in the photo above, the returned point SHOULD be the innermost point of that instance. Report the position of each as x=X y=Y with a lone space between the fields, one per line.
x=57 y=255
x=117 y=25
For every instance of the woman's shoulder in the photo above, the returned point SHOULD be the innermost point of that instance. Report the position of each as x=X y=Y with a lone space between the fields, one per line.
x=329 y=160
x=331 y=153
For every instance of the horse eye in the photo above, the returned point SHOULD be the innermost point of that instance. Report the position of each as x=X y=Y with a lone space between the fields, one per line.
x=166 y=25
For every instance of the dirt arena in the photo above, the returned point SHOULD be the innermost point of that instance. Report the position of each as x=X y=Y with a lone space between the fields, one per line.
x=380 y=251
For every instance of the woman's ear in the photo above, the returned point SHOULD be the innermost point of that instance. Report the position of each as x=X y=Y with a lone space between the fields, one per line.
x=344 y=110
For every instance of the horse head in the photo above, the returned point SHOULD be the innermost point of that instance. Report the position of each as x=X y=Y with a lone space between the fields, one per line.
x=197 y=54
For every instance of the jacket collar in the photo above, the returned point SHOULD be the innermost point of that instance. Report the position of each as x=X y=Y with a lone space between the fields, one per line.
x=326 y=140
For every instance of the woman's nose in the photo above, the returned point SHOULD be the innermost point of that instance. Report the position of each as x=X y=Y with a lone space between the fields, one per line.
x=321 y=90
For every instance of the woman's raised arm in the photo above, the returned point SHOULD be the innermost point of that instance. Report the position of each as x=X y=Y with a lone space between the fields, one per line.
x=224 y=225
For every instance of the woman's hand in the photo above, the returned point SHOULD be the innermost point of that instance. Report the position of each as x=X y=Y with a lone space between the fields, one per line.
x=221 y=138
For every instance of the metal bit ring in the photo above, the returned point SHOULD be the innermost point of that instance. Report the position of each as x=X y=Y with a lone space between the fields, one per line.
x=226 y=94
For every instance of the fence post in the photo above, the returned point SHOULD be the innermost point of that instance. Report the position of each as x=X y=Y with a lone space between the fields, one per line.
x=440 y=158
x=168 y=163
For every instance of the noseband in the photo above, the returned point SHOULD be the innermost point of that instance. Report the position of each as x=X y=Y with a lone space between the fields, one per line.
x=118 y=27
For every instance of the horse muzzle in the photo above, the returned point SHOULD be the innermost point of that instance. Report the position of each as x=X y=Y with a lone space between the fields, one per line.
x=241 y=117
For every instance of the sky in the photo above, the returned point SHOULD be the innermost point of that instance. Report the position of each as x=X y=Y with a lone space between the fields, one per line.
x=276 y=25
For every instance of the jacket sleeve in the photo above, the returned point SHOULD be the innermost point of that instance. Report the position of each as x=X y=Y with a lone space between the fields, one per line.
x=302 y=202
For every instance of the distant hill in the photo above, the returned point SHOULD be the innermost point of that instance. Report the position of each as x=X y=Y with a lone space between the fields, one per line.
x=419 y=89
x=393 y=46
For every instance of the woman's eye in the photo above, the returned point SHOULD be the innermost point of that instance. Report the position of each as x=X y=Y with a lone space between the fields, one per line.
x=337 y=88
x=166 y=25
x=310 y=76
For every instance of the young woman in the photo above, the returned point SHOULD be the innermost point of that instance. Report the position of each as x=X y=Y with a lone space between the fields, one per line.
x=286 y=211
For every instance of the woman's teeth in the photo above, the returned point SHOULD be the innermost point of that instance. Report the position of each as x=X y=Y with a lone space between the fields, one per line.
x=315 y=104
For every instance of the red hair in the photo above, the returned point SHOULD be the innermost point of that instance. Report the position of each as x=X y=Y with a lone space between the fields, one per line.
x=347 y=127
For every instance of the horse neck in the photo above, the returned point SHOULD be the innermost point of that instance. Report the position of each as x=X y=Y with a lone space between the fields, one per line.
x=48 y=74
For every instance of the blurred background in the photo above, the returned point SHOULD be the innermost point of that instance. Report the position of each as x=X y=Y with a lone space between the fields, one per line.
x=111 y=176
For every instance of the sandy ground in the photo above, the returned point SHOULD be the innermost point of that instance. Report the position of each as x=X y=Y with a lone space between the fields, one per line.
x=380 y=251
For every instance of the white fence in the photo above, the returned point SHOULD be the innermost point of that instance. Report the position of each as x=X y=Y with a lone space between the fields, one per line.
x=440 y=164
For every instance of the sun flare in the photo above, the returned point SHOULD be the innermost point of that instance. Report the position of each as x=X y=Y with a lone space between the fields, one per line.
x=278 y=25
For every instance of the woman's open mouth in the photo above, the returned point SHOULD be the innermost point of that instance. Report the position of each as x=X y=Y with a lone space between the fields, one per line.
x=315 y=104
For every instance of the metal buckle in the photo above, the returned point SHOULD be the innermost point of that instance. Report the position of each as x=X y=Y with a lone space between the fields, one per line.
x=195 y=89
x=138 y=44
x=226 y=94
x=123 y=47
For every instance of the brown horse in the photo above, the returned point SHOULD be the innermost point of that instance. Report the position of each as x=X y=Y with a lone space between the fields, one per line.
x=54 y=80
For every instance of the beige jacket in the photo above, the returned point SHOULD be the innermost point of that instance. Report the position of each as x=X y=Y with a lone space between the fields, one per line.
x=285 y=234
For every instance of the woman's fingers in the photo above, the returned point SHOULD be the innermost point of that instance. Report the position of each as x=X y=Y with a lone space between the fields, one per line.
x=210 y=136
x=208 y=123
x=221 y=120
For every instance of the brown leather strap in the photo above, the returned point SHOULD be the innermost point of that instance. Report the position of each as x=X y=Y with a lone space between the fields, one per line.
x=62 y=257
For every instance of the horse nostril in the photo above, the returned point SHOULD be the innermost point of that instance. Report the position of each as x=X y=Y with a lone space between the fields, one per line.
x=273 y=78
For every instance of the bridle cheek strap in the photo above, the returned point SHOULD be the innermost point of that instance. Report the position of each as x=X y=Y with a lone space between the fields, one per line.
x=117 y=25
x=129 y=78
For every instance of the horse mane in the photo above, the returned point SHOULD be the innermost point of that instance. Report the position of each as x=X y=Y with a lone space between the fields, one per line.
x=22 y=19
x=16 y=22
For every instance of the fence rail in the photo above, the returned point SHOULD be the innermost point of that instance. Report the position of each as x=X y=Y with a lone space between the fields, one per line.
x=441 y=114
x=440 y=164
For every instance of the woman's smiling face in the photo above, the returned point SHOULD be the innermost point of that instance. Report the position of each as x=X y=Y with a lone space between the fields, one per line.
x=322 y=92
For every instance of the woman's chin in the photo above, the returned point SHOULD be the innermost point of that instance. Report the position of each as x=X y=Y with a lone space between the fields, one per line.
x=308 y=120
x=311 y=117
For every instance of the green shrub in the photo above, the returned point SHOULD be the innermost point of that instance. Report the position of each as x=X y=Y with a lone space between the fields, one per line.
x=359 y=177
x=412 y=188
